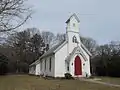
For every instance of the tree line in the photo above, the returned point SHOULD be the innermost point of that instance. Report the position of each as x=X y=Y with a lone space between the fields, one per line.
x=105 y=60
x=22 y=48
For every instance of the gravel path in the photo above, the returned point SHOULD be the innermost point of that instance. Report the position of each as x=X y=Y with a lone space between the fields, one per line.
x=99 y=82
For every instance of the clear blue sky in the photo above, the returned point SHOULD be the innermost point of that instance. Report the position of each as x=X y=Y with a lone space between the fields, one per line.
x=100 y=19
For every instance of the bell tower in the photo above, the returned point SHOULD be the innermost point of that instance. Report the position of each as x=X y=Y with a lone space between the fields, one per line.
x=72 y=31
x=73 y=23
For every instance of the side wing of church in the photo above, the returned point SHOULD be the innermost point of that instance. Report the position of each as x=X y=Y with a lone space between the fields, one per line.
x=69 y=56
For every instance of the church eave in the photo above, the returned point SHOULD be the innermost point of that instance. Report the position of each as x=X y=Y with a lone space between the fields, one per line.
x=50 y=52
x=47 y=55
x=34 y=63
x=83 y=46
x=60 y=47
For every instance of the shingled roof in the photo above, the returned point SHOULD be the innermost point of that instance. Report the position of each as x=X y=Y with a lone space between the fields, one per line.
x=50 y=51
x=57 y=47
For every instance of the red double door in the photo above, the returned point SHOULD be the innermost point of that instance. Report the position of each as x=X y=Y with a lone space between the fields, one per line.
x=78 y=66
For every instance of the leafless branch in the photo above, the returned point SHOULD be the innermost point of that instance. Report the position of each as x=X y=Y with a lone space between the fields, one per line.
x=13 y=14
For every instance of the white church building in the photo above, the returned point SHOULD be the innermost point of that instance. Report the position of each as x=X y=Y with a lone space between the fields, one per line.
x=69 y=56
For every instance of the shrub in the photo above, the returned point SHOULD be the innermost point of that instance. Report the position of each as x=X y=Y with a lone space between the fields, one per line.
x=68 y=76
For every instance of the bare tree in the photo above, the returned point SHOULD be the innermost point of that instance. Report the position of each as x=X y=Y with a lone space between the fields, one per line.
x=26 y=47
x=33 y=31
x=47 y=37
x=13 y=14
x=60 y=37
x=90 y=44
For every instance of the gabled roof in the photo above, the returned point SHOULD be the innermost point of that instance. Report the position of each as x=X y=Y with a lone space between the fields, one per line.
x=73 y=52
x=74 y=15
x=50 y=51
x=53 y=49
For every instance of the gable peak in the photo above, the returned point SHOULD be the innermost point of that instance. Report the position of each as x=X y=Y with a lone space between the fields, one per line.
x=73 y=15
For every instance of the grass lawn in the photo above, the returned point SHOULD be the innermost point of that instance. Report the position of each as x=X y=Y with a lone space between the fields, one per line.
x=112 y=80
x=25 y=82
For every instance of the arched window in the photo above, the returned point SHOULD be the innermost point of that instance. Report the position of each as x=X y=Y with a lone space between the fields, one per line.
x=74 y=39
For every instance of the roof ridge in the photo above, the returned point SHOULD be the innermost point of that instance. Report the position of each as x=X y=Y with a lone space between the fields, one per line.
x=50 y=51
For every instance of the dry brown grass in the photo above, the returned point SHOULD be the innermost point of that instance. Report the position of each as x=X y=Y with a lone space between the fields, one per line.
x=25 y=82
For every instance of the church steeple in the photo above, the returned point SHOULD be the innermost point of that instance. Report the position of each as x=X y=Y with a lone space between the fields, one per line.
x=73 y=23
x=72 y=32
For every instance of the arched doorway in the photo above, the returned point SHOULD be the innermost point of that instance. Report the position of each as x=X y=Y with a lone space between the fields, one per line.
x=78 y=66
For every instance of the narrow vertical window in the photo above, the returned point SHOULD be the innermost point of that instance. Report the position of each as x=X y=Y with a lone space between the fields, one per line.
x=74 y=39
x=68 y=67
x=50 y=64
x=41 y=65
x=45 y=64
